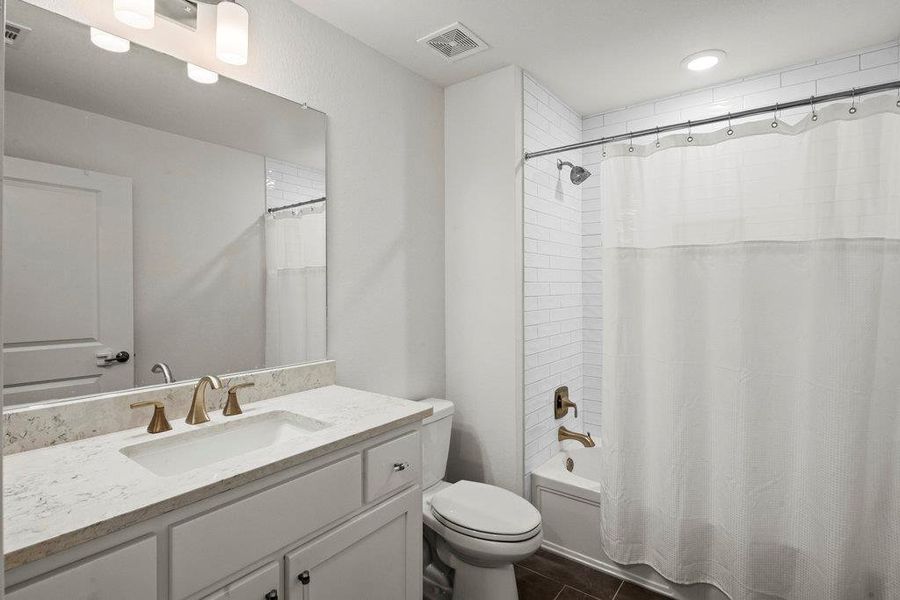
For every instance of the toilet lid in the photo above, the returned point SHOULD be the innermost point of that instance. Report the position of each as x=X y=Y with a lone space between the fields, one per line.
x=486 y=511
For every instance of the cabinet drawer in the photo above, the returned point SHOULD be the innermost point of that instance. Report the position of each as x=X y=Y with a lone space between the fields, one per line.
x=128 y=572
x=211 y=547
x=393 y=465
x=262 y=584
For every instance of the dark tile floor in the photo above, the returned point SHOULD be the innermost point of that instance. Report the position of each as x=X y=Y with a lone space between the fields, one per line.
x=546 y=576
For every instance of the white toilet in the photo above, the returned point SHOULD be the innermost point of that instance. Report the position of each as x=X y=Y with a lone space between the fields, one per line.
x=475 y=529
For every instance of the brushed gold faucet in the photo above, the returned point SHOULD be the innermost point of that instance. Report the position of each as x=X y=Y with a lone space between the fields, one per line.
x=231 y=405
x=584 y=438
x=197 y=414
x=159 y=422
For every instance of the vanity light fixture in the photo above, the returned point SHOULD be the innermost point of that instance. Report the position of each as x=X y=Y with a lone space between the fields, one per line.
x=140 y=14
x=702 y=61
x=201 y=75
x=232 y=32
x=108 y=41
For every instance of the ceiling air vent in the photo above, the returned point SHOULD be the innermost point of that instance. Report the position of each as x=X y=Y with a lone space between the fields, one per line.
x=454 y=42
x=15 y=33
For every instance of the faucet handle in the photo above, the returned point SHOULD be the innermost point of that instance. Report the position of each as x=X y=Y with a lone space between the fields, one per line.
x=231 y=405
x=159 y=422
x=561 y=402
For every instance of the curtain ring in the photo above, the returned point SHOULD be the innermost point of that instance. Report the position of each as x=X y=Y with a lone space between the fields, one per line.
x=852 y=110
x=775 y=117
x=898 y=97
x=631 y=142
x=730 y=131
x=657 y=136
x=603 y=150
x=690 y=137
x=815 y=116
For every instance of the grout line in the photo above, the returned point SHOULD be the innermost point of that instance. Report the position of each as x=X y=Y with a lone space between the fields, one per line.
x=560 y=592
x=618 y=589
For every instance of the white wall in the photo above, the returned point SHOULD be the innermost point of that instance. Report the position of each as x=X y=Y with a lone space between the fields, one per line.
x=553 y=302
x=483 y=237
x=198 y=236
x=385 y=181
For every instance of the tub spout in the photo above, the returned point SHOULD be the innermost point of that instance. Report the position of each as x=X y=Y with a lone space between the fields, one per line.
x=584 y=438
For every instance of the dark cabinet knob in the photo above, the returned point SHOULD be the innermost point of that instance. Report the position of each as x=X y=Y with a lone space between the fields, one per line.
x=303 y=577
x=273 y=595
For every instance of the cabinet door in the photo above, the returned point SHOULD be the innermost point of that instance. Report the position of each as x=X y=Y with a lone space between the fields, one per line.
x=376 y=556
x=262 y=584
x=127 y=572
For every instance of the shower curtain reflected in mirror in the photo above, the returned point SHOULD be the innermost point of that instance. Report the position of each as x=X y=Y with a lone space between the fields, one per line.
x=751 y=358
x=295 y=285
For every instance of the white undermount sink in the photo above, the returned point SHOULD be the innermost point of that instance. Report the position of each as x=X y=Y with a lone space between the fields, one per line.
x=210 y=444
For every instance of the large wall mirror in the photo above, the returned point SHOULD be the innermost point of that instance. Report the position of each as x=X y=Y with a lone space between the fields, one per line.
x=155 y=228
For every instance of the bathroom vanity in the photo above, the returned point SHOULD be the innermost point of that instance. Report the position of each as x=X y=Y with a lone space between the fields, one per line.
x=317 y=484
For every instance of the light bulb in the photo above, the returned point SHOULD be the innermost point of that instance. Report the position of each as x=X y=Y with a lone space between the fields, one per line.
x=201 y=75
x=108 y=41
x=140 y=14
x=232 y=33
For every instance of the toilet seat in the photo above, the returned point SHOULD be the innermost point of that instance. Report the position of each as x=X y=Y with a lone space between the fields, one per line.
x=486 y=512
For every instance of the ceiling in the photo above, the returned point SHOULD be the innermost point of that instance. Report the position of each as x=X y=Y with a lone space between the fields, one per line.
x=598 y=55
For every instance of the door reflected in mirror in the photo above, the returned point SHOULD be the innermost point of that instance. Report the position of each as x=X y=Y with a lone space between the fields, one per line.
x=154 y=228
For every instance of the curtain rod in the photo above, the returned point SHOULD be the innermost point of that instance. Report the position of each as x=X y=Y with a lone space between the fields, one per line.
x=295 y=205
x=811 y=101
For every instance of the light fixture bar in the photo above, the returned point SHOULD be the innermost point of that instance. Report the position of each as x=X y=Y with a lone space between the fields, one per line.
x=872 y=89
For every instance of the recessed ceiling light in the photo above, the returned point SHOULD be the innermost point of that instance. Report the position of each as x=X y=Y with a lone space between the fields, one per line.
x=108 y=41
x=701 y=61
x=201 y=75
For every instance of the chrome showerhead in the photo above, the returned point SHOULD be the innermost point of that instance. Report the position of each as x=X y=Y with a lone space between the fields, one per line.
x=578 y=175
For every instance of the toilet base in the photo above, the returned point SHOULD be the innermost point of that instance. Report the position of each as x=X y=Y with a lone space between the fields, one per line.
x=472 y=582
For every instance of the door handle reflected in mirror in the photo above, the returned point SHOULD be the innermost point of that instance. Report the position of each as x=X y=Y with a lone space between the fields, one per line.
x=105 y=360
x=273 y=595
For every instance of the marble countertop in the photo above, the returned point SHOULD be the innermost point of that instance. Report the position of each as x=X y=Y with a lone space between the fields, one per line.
x=60 y=496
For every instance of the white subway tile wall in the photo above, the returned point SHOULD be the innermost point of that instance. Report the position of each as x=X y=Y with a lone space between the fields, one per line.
x=553 y=274
x=563 y=302
x=287 y=183
x=866 y=67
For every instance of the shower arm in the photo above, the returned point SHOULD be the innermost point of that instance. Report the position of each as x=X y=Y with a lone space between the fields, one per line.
x=812 y=100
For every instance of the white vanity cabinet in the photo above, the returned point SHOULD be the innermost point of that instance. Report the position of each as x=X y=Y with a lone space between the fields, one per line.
x=262 y=584
x=128 y=571
x=376 y=556
x=342 y=526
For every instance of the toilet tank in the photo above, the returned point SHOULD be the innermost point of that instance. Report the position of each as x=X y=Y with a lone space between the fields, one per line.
x=436 y=441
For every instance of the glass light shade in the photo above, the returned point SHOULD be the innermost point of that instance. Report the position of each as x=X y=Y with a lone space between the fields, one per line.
x=232 y=33
x=140 y=14
x=201 y=75
x=701 y=61
x=108 y=41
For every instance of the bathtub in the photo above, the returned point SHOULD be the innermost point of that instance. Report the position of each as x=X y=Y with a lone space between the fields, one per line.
x=566 y=491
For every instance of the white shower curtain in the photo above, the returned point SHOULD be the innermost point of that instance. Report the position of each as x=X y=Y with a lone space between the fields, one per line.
x=751 y=392
x=295 y=286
